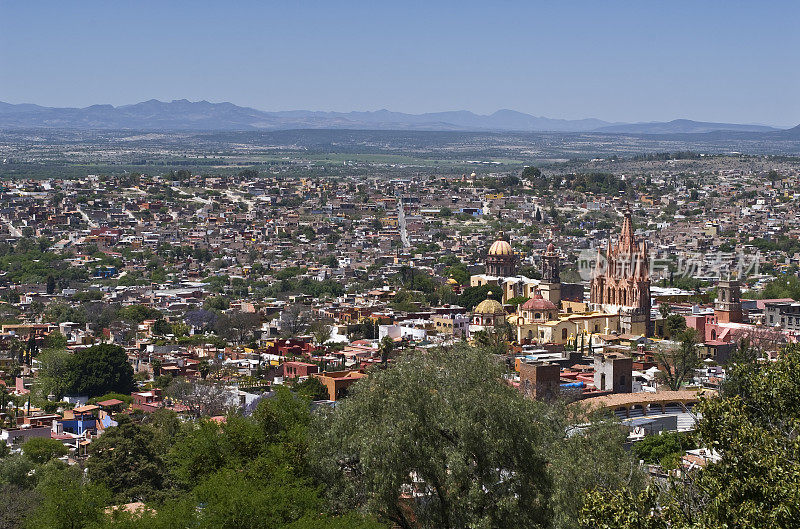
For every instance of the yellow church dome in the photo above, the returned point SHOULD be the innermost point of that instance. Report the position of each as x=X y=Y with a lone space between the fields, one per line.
x=489 y=306
x=501 y=247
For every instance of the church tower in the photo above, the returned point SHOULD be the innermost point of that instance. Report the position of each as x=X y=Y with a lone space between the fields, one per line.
x=550 y=286
x=728 y=305
x=621 y=281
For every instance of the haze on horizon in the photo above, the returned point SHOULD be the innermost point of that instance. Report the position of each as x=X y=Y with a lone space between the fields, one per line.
x=617 y=61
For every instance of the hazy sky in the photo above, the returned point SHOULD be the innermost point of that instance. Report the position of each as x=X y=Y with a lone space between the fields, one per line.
x=620 y=61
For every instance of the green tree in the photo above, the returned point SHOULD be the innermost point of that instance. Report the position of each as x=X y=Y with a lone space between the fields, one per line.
x=471 y=296
x=443 y=424
x=204 y=367
x=754 y=483
x=677 y=363
x=54 y=375
x=125 y=460
x=591 y=457
x=621 y=509
x=321 y=330
x=311 y=388
x=40 y=450
x=233 y=500
x=385 y=349
x=662 y=449
x=138 y=313
x=100 y=369
x=16 y=504
x=55 y=340
x=67 y=502
x=674 y=325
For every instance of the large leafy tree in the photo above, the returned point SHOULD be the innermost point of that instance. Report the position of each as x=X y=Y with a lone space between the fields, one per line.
x=440 y=441
x=67 y=501
x=101 y=369
x=125 y=459
x=43 y=449
x=15 y=505
x=54 y=375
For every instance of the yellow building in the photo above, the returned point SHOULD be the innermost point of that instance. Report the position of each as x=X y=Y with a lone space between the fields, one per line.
x=541 y=324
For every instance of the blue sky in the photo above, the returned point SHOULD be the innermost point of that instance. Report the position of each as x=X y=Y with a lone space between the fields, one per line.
x=620 y=61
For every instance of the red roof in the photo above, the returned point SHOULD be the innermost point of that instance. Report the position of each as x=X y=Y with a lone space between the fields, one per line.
x=110 y=402
x=761 y=303
x=538 y=303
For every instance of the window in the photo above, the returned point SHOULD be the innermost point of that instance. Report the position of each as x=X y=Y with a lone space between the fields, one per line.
x=564 y=334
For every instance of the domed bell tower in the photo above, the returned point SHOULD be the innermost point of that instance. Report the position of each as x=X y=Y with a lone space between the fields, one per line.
x=501 y=260
x=550 y=286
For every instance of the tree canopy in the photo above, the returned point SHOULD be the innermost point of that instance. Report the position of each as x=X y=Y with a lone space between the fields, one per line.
x=100 y=369
x=439 y=440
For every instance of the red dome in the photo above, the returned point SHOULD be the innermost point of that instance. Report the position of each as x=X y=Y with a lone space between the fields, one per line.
x=538 y=303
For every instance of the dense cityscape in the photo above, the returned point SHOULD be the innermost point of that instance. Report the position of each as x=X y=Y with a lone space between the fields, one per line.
x=301 y=266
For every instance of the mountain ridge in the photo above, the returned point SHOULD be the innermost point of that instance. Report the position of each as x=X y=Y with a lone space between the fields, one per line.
x=185 y=115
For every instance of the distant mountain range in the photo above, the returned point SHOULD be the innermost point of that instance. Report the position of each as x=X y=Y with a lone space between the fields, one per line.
x=183 y=115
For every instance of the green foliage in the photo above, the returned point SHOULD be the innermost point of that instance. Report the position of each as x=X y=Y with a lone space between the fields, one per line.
x=126 y=399
x=592 y=457
x=458 y=272
x=446 y=418
x=138 y=313
x=27 y=263
x=599 y=183
x=217 y=303
x=754 y=484
x=347 y=521
x=15 y=505
x=407 y=300
x=471 y=296
x=621 y=509
x=61 y=312
x=677 y=363
x=312 y=389
x=674 y=325
x=16 y=470
x=55 y=340
x=40 y=450
x=126 y=460
x=100 y=369
x=785 y=286
x=662 y=448
x=534 y=178
x=205 y=447
x=87 y=295
x=782 y=243
x=236 y=501
x=518 y=300
x=55 y=373
x=67 y=502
